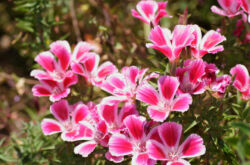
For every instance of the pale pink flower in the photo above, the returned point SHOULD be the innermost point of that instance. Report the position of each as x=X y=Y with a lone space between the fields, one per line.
x=230 y=8
x=190 y=77
x=133 y=142
x=55 y=90
x=123 y=86
x=150 y=11
x=86 y=64
x=171 y=44
x=242 y=80
x=165 y=101
x=114 y=117
x=245 y=5
x=54 y=70
x=168 y=148
x=208 y=44
x=68 y=121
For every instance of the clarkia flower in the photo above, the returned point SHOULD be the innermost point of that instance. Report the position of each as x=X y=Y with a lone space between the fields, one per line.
x=123 y=86
x=220 y=85
x=171 y=44
x=85 y=63
x=150 y=11
x=245 y=5
x=230 y=8
x=68 y=121
x=166 y=101
x=168 y=148
x=242 y=80
x=190 y=77
x=55 y=90
x=133 y=142
x=208 y=44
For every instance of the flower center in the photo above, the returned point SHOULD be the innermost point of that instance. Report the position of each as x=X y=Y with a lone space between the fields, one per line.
x=173 y=156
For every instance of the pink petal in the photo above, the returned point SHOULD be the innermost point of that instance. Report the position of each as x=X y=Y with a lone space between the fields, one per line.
x=155 y=150
x=50 y=126
x=58 y=96
x=168 y=86
x=135 y=125
x=170 y=134
x=131 y=74
x=91 y=62
x=80 y=49
x=46 y=60
x=119 y=145
x=106 y=69
x=197 y=70
x=146 y=93
x=140 y=159
x=116 y=159
x=197 y=36
x=80 y=113
x=39 y=90
x=127 y=109
x=160 y=36
x=60 y=110
x=102 y=128
x=179 y=162
x=137 y=15
x=245 y=4
x=166 y=50
x=62 y=50
x=70 y=80
x=147 y=9
x=192 y=147
x=182 y=102
x=157 y=114
x=230 y=6
x=40 y=74
x=217 y=10
x=77 y=68
x=86 y=148
x=108 y=113
x=182 y=36
x=241 y=74
x=117 y=80
x=82 y=131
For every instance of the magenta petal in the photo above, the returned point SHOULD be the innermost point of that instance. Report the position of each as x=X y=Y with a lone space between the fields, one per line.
x=116 y=159
x=182 y=36
x=117 y=80
x=136 y=15
x=62 y=50
x=91 y=62
x=62 y=94
x=147 y=9
x=109 y=113
x=182 y=102
x=50 y=126
x=170 y=134
x=146 y=93
x=179 y=162
x=241 y=74
x=40 y=74
x=140 y=159
x=217 y=10
x=39 y=90
x=168 y=86
x=192 y=147
x=77 y=68
x=135 y=125
x=211 y=40
x=157 y=114
x=46 y=60
x=106 y=69
x=80 y=49
x=70 y=80
x=156 y=150
x=127 y=109
x=86 y=148
x=60 y=110
x=80 y=113
x=119 y=145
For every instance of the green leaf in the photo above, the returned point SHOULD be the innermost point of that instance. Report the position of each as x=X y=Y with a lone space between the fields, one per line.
x=244 y=127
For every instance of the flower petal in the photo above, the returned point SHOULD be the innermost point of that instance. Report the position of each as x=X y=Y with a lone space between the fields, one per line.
x=147 y=9
x=109 y=112
x=50 y=126
x=155 y=150
x=179 y=162
x=241 y=74
x=141 y=159
x=170 y=134
x=106 y=69
x=135 y=125
x=146 y=93
x=80 y=49
x=40 y=90
x=80 y=113
x=119 y=145
x=46 y=60
x=91 y=62
x=168 y=86
x=60 y=110
x=192 y=147
x=116 y=159
x=86 y=148
x=157 y=114
x=182 y=102
x=62 y=50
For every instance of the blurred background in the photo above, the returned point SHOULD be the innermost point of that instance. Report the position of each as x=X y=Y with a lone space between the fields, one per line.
x=27 y=27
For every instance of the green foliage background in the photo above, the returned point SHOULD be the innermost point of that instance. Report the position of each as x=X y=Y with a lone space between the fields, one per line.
x=27 y=27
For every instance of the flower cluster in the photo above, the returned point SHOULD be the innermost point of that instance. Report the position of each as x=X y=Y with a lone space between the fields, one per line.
x=115 y=123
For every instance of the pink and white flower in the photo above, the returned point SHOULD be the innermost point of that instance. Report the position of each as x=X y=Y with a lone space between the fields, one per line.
x=162 y=103
x=208 y=44
x=85 y=63
x=171 y=44
x=190 y=77
x=125 y=84
x=168 y=148
x=230 y=8
x=114 y=117
x=242 y=80
x=132 y=143
x=220 y=85
x=150 y=11
x=68 y=121
x=55 y=90
x=54 y=70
